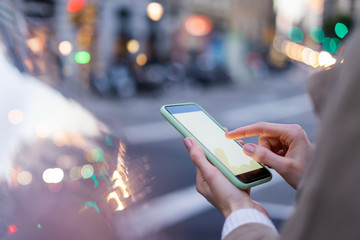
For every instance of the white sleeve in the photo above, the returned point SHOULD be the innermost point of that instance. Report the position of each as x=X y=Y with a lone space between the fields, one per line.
x=244 y=216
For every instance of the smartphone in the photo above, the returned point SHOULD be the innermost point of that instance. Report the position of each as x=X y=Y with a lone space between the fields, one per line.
x=225 y=154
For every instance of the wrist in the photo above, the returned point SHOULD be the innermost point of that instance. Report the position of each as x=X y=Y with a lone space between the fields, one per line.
x=234 y=206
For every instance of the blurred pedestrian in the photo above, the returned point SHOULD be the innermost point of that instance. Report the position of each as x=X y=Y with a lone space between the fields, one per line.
x=326 y=178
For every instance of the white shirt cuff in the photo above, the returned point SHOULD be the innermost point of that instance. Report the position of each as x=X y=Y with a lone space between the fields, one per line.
x=244 y=216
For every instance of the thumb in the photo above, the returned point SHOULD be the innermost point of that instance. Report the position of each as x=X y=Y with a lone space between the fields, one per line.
x=265 y=156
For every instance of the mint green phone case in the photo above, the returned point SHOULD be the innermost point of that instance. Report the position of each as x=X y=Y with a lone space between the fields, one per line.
x=208 y=154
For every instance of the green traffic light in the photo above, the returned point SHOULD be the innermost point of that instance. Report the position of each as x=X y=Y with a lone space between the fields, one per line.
x=341 y=30
x=82 y=57
x=296 y=35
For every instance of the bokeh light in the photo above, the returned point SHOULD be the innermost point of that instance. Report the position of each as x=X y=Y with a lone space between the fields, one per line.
x=155 y=11
x=75 y=5
x=341 y=30
x=296 y=34
x=82 y=57
x=75 y=173
x=133 y=46
x=309 y=57
x=24 y=178
x=42 y=130
x=325 y=59
x=59 y=139
x=87 y=171
x=15 y=116
x=317 y=34
x=35 y=44
x=141 y=59
x=12 y=229
x=331 y=45
x=53 y=175
x=96 y=155
x=298 y=52
x=198 y=25
x=65 y=48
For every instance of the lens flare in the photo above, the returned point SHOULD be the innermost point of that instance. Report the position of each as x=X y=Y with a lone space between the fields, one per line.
x=113 y=195
x=120 y=184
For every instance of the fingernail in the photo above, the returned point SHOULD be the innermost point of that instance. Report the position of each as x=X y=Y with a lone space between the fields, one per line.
x=188 y=143
x=249 y=148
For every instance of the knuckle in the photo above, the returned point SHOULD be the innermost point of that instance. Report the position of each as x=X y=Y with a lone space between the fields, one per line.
x=297 y=128
x=261 y=124
x=262 y=138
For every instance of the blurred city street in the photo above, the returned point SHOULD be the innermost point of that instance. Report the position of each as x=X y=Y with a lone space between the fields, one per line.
x=85 y=152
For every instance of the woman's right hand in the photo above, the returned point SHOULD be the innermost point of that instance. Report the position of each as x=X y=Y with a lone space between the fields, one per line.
x=283 y=147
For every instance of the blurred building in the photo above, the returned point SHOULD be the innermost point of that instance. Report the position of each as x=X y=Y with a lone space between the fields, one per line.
x=238 y=40
x=244 y=29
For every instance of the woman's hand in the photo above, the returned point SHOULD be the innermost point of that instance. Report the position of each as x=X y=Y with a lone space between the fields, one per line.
x=283 y=147
x=215 y=187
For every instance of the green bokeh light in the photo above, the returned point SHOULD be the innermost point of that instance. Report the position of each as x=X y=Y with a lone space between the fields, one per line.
x=87 y=173
x=39 y=226
x=296 y=35
x=97 y=154
x=82 y=57
x=341 y=30
x=331 y=45
x=317 y=34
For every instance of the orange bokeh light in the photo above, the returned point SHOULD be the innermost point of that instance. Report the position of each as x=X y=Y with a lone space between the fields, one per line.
x=198 y=25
